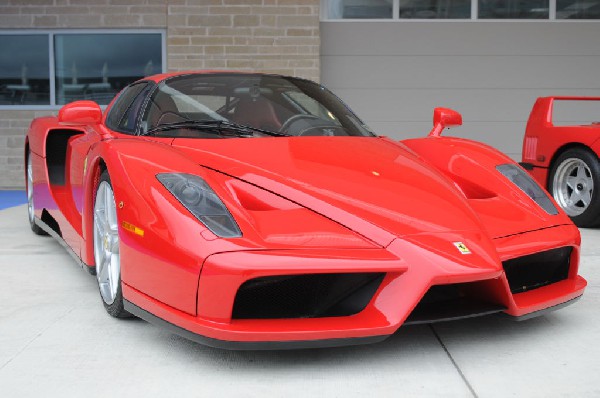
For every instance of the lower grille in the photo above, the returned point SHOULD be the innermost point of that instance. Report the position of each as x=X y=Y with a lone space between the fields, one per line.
x=455 y=301
x=537 y=270
x=305 y=296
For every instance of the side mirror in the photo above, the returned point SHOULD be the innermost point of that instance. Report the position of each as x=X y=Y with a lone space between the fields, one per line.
x=443 y=118
x=80 y=112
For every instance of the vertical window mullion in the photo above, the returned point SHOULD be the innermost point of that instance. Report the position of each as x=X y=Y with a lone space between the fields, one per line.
x=396 y=9
x=474 y=9
x=324 y=10
x=163 y=44
x=552 y=11
x=51 y=69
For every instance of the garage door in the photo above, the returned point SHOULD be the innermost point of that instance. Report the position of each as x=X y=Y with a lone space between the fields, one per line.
x=393 y=73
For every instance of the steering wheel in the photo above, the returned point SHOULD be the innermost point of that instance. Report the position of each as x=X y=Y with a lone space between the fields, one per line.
x=286 y=126
x=165 y=117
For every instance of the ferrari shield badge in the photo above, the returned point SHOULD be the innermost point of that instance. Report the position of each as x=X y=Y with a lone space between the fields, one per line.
x=462 y=248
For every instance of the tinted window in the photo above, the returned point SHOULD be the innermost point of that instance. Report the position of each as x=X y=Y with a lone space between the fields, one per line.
x=577 y=9
x=275 y=103
x=360 y=9
x=24 y=70
x=433 y=9
x=514 y=9
x=98 y=66
x=120 y=113
x=129 y=120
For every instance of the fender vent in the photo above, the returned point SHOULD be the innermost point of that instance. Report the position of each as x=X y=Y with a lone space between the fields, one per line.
x=56 y=154
x=305 y=296
x=537 y=270
x=530 y=148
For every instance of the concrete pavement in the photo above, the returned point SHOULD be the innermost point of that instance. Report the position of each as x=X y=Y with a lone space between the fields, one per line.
x=57 y=340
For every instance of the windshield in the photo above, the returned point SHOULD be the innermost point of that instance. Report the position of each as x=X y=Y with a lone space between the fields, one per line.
x=285 y=105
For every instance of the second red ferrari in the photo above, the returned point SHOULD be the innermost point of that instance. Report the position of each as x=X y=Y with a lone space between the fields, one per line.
x=565 y=159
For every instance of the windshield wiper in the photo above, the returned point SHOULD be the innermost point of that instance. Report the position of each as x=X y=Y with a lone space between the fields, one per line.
x=219 y=127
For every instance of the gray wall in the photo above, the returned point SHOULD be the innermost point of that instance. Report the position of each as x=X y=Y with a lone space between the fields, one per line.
x=394 y=73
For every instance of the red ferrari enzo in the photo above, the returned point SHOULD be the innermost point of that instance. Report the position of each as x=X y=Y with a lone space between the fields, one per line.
x=251 y=211
x=564 y=158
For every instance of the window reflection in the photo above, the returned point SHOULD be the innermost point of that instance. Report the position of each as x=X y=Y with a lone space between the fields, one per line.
x=582 y=9
x=24 y=70
x=97 y=66
x=360 y=9
x=433 y=9
x=514 y=9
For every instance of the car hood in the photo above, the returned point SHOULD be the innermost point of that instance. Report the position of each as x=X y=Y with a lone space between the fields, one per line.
x=376 y=187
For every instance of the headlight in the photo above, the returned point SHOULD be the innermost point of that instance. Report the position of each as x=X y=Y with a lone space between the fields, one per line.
x=527 y=185
x=195 y=194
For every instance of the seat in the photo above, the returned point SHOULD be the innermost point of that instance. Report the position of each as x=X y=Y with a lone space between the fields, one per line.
x=256 y=112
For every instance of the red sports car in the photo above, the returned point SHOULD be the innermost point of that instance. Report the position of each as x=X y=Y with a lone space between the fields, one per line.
x=251 y=211
x=565 y=160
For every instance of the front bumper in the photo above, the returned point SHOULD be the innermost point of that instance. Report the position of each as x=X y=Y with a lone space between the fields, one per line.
x=410 y=273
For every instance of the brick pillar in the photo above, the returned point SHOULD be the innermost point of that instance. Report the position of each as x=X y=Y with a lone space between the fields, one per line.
x=273 y=36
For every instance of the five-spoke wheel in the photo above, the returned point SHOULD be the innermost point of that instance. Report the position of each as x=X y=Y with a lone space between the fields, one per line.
x=106 y=248
x=574 y=183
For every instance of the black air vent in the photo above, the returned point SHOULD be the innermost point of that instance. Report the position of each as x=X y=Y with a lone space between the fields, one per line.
x=305 y=296
x=56 y=154
x=537 y=270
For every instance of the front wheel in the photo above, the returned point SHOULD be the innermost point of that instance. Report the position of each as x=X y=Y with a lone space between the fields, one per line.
x=575 y=184
x=30 y=207
x=106 y=248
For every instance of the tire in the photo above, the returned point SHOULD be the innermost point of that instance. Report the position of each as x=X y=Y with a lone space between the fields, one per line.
x=574 y=182
x=30 y=207
x=106 y=249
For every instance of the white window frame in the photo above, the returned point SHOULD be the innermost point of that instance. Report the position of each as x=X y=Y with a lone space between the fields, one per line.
x=474 y=15
x=51 y=60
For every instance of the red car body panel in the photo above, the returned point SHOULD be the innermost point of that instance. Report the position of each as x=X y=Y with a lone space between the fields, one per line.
x=306 y=205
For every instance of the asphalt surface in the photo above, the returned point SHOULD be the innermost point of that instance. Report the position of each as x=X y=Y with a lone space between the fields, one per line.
x=57 y=340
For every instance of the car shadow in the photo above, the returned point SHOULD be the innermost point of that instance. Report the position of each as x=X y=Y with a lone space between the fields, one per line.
x=410 y=344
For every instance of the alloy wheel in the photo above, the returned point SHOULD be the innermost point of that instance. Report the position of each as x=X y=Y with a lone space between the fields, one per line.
x=106 y=243
x=573 y=186
x=30 y=208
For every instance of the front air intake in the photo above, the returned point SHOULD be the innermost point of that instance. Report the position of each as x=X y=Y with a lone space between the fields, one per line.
x=537 y=270
x=305 y=296
x=454 y=301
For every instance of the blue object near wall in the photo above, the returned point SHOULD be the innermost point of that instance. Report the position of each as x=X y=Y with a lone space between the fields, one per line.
x=12 y=198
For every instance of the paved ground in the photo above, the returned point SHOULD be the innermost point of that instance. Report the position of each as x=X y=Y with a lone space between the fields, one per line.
x=56 y=340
